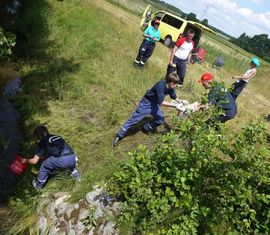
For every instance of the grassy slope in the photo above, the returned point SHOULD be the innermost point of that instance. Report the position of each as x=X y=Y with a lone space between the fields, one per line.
x=85 y=86
x=82 y=83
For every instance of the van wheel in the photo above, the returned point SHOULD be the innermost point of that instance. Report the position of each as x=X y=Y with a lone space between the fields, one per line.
x=168 y=41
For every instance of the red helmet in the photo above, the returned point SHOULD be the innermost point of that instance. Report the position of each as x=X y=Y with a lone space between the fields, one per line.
x=206 y=77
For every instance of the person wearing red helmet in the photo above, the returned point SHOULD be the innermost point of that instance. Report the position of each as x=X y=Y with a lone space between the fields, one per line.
x=220 y=97
x=151 y=36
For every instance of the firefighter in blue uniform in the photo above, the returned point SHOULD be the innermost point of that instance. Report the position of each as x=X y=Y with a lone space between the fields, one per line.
x=151 y=104
x=220 y=97
x=151 y=36
x=56 y=155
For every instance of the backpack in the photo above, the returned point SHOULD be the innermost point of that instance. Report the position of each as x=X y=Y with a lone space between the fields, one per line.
x=55 y=145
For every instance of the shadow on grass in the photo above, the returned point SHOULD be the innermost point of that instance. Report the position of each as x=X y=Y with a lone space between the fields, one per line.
x=43 y=84
x=47 y=77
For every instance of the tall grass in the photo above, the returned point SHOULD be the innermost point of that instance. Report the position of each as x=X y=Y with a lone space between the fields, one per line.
x=136 y=7
x=82 y=85
x=78 y=79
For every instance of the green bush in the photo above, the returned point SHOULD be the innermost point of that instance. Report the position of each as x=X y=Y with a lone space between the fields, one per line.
x=198 y=179
x=7 y=41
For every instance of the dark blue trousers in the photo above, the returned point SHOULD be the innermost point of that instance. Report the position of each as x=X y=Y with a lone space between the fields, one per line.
x=237 y=88
x=181 y=66
x=145 y=51
x=53 y=164
x=228 y=115
x=144 y=108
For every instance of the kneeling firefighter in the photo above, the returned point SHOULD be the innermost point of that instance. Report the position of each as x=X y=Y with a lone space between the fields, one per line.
x=56 y=155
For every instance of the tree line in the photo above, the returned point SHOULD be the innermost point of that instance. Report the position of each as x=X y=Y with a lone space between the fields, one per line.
x=258 y=44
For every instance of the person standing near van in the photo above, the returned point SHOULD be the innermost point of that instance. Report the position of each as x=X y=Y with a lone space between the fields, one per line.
x=151 y=36
x=242 y=81
x=181 y=54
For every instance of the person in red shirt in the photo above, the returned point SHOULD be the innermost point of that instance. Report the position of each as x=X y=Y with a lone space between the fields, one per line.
x=181 y=54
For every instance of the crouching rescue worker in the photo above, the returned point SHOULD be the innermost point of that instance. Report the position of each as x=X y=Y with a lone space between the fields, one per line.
x=56 y=155
x=151 y=104
x=151 y=36
x=219 y=96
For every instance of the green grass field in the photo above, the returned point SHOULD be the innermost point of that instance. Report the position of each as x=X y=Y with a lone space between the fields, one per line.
x=79 y=81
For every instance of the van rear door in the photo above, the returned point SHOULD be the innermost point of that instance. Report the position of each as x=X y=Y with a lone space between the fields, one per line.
x=146 y=17
x=170 y=27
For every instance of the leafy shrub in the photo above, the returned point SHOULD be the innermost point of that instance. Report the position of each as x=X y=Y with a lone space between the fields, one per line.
x=7 y=41
x=197 y=179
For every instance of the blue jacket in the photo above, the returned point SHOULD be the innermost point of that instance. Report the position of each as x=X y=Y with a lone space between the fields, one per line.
x=158 y=92
x=44 y=150
x=222 y=98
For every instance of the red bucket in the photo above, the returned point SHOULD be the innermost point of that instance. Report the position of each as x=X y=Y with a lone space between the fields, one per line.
x=18 y=166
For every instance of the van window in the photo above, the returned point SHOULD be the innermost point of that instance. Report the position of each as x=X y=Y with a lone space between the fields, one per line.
x=159 y=15
x=170 y=20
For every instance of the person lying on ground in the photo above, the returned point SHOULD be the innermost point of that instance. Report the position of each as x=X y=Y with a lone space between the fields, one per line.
x=151 y=104
x=242 y=81
x=56 y=155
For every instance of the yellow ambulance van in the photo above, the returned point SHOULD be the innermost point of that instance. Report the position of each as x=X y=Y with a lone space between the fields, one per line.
x=172 y=26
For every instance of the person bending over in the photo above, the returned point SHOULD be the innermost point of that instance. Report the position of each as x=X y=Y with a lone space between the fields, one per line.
x=151 y=104
x=56 y=154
